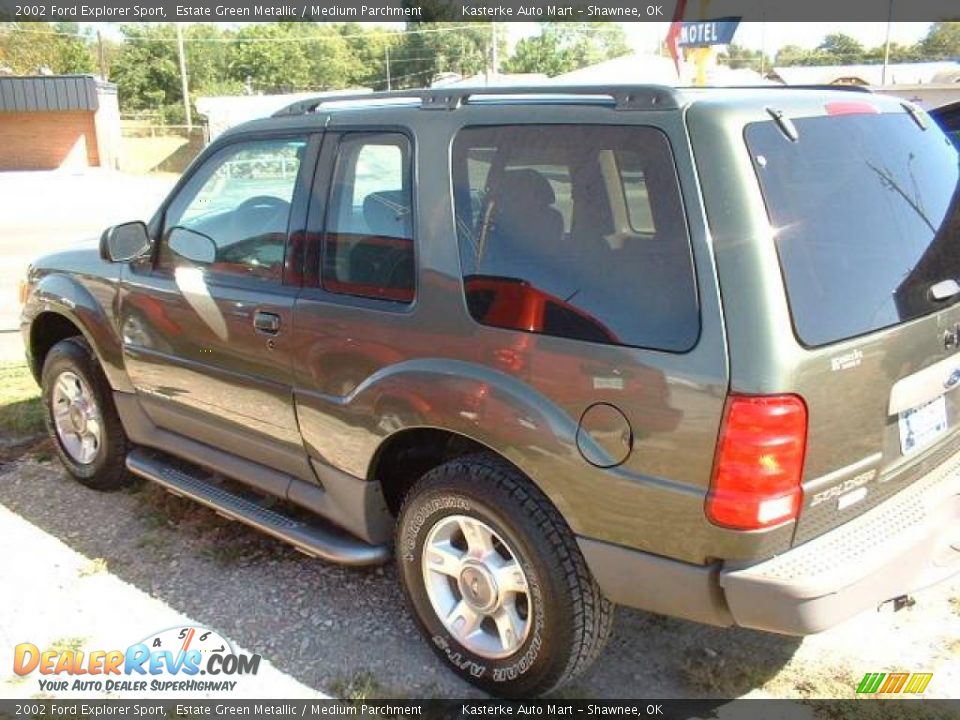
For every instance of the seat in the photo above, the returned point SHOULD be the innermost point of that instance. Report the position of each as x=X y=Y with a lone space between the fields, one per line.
x=384 y=257
x=524 y=231
x=387 y=213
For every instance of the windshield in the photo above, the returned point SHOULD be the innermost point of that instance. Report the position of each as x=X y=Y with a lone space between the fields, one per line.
x=865 y=211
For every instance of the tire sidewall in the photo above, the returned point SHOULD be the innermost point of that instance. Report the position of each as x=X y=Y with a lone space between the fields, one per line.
x=71 y=355
x=535 y=662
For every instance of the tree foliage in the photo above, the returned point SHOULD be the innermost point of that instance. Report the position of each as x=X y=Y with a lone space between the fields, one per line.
x=438 y=48
x=27 y=48
x=563 y=47
x=243 y=58
x=942 y=42
x=737 y=56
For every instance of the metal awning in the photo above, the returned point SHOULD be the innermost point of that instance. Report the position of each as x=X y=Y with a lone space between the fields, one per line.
x=48 y=93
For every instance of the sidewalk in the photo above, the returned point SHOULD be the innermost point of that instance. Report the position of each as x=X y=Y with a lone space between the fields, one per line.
x=44 y=212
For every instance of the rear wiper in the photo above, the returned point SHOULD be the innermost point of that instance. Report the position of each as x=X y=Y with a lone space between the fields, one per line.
x=915 y=113
x=944 y=290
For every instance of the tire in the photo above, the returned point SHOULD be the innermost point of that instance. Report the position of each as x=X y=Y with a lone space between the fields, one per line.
x=100 y=465
x=566 y=620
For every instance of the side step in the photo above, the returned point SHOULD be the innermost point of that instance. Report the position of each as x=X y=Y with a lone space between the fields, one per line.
x=313 y=539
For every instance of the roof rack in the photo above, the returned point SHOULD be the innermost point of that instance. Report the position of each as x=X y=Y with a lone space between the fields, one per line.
x=822 y=86
x=621 y=97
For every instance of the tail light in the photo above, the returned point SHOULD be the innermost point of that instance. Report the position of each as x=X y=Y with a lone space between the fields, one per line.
x=759 y=464
x=24 y=291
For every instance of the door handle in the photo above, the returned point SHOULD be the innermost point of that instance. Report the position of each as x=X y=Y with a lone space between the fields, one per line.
x=266 y=322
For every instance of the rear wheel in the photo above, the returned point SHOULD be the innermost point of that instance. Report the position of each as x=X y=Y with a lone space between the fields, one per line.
x=81 y=419
x=496 y=581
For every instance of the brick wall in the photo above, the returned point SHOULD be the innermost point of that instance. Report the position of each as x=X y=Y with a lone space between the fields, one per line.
x=47 y=140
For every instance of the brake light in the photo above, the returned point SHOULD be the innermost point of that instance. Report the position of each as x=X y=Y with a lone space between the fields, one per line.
x=24 y=291
x=842 y=107
x=759 y=464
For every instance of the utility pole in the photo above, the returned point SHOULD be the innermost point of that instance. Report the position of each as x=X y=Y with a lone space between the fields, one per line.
x=886 y=46
x=494 y=55
x=763 y=47
x=102 y=62
x=387 y=51
x=184 y=85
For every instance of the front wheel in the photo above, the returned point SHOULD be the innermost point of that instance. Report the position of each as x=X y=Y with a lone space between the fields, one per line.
x=496 y=581
x=80 y=416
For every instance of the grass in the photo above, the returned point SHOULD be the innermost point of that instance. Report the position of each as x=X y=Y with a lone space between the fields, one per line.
x=226 y=555
x=361 y=686
x=719 y=676
x=21 y=412
x=94 y=567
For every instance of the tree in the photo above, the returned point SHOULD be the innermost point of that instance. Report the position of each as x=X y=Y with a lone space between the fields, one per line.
x=146 y=70
x=292 y=56
x=562 y=47
x=269 y=57
x=791 y=55
x=737 y=56
x=28 y=47
x=942 y=41
x=439 y=48
x=841 y=49
x=370 y=49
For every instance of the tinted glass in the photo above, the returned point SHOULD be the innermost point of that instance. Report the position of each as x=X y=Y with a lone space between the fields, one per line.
x=368 y=243
x=576 y=231
x=231 y=218
x=865 y=210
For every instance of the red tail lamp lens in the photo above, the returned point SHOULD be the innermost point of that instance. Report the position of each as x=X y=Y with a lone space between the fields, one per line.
x=759 y=465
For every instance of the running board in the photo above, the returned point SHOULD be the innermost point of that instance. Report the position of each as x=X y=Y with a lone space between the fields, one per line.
x=311 y=538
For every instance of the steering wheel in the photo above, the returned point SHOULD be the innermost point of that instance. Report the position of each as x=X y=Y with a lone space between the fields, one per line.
x=258 y=214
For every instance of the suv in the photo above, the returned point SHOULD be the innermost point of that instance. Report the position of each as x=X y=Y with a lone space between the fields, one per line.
x=691 y=351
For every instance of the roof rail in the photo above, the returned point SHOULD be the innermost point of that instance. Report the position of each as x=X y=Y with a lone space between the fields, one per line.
x=622 y=97
x=842 y=88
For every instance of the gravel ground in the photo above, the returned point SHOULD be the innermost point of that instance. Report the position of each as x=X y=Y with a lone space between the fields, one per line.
x=114 y=567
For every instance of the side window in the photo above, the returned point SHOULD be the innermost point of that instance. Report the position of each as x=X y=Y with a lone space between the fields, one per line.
x=231 y=218
x=575 y=231
x=368 y=238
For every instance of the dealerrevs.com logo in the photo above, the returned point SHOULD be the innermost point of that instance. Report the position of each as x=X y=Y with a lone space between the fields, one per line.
x=183 y=659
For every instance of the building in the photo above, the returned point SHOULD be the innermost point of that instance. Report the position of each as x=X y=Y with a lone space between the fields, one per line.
x=928 y=84
x=453 y=80
x=919 y=73
x=224 y=111
x=54 y=121
x=640 y=68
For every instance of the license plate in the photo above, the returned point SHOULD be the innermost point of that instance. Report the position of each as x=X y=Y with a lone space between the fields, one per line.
x=922 y=425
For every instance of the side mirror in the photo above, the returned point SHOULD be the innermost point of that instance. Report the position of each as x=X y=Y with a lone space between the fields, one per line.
x=191 y=245
x=122 y=243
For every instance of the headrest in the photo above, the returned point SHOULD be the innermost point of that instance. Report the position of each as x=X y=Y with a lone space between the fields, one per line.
x=387 y=213
x=525 y=187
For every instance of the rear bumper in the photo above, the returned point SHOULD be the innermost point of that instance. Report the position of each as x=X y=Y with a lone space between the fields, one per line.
x=903 y=545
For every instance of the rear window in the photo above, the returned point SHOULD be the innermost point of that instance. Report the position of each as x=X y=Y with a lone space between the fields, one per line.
x=575 y=231
x=866 y=215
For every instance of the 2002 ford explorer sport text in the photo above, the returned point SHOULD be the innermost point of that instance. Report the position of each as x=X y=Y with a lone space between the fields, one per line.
x=692 y=351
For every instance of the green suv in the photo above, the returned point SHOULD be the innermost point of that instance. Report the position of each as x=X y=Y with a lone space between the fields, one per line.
x=555 y=348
